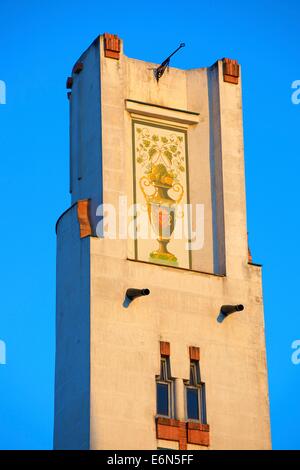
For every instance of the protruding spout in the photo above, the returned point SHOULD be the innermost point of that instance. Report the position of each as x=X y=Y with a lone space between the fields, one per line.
x=228 y=309
x=132 y=294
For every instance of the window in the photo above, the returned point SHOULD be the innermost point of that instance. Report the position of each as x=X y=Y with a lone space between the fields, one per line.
x=195 y=395
x=165 y=390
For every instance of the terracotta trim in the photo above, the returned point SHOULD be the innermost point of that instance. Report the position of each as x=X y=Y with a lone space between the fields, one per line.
x=69 y=83
x=112 y=46
x=249 y=251
x=164 y=348
x=78 y=67
x=172 y=430
x=168 y=421
x=231 y=71
x=249 y=256
x=194 y=353
x=198 y=426
x=182 y=437
x=167 y=433
x=83 y=218
x=182 y=432
x=195 y=436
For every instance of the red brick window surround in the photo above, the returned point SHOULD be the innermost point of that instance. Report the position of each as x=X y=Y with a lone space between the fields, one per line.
x=195 y=393
x=164 y=348
x=183 y=432
x=194 y=430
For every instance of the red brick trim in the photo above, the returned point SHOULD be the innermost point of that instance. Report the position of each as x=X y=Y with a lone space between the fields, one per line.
x=231 y=71
x=78 y=67
x=112 y=46
x=249 y=255
x=182 y=437
x=198 y=426
x=249 y=251
x=164 y=348
x=182 y=432
x=69 y=82
x=83 y=218
x=172 y=430
x=168 y=421
x=198 y=434
x=194 y=353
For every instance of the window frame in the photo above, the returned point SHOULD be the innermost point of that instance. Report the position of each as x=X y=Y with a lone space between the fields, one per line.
x=165 y=378
x=200 y=387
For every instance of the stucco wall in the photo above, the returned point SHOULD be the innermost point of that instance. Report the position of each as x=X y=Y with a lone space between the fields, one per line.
x=183 y=305
x=85 y=132
x=72 y=364
x=182 y=308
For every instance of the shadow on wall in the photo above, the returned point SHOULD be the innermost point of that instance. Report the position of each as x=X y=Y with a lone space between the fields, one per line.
x=2 y=352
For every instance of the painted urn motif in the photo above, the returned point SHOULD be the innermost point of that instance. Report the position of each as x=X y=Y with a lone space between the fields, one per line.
x=161 y=161
x=162 y=195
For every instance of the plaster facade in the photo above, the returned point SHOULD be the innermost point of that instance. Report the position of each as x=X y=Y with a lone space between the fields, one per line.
x=114 y=385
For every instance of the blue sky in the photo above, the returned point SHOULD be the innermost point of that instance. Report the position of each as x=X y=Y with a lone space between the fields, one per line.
x=39 y=43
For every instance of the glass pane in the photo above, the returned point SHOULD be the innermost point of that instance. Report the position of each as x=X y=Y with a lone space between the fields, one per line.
x=192 y=396
x=162 y=399
x=163 y=369
x=193 y=375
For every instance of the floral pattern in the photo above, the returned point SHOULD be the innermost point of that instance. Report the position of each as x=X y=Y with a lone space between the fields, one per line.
x=160 y=156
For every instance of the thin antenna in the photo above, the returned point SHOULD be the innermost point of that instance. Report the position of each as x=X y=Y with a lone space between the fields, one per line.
x=158 y=73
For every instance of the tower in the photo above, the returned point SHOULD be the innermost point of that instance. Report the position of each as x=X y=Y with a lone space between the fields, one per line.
x=172 y=369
